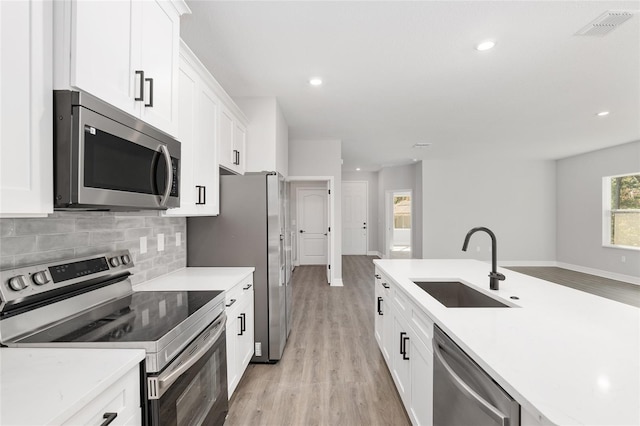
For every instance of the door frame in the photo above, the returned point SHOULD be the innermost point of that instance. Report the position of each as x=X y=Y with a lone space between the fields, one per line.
x=330 y=180
x=366 y=211
x=388 y=220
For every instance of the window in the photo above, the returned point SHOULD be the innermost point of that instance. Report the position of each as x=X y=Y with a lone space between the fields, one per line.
x=621 y=225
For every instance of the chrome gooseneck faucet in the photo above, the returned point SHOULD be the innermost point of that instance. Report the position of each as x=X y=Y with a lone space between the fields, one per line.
x=494 y=277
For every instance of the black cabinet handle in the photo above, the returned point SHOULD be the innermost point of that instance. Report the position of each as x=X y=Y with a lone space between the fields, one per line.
x=141 y=97
x=379 y=305
x=247 y=287
x=377 y=276
x=236 y=158
x=402 y=334
x=404 y=347
x=202 y=195
x=231 y=302
x=109 y=417
x=385 y=285
x=243 y=324
x=150 y=104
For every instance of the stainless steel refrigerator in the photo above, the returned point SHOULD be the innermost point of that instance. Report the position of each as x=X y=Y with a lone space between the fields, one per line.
x=250 y=231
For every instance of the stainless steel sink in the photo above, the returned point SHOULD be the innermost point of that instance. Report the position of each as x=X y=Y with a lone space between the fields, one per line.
x=454 y=294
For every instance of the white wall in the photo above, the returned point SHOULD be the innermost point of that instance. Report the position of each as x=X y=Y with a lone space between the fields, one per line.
x=401 y=178
x=515 y=199
x=579 y=216
x=267 y=135
x=372 y=200
x=323 y=158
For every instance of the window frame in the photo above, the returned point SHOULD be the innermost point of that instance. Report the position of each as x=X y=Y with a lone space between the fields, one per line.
x=607 y=213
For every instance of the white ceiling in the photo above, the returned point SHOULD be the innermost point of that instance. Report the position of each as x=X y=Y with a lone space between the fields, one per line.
x=398 y=73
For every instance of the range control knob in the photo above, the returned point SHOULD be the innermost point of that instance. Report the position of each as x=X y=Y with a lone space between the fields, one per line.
x=18 y=283
x=41 y=277
x=126 y=259
x=114 y=261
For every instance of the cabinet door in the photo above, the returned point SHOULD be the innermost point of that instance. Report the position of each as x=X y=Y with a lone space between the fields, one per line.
x=421 y=393
x=187 y=101
x=206 y=173
x=248 y=333
x=379 y=313
x=233 y=375
x=26 y=159
x=159 y=37
x=226 y=148
x=401 y=367
x=239 y=145
x=102 y=60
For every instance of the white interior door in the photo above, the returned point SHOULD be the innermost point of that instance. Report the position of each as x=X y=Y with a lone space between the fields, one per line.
x=354 y=218
x=312 y=226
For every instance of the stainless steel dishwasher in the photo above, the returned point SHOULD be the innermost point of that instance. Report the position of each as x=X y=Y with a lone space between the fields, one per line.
x=463 y=394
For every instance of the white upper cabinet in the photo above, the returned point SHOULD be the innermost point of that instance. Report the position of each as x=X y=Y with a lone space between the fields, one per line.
x=233 y=139
x=123 y=52
x=267 y=142
x=199 y=109
x=26 y=109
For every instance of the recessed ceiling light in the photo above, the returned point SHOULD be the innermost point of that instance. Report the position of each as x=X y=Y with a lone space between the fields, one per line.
x=414 y=160
x=315 y=81
x=602 y=113
x=357 y=169
x=485 y=45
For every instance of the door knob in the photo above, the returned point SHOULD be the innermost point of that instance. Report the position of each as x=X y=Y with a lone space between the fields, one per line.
x=301 y=231
x=364 y=227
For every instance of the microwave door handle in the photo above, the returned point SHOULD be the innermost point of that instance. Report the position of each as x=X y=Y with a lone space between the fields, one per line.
x=169 y=179
x=165 y=380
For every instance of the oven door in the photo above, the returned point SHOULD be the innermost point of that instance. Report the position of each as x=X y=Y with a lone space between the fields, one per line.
x=120 y=166
x=192 y=390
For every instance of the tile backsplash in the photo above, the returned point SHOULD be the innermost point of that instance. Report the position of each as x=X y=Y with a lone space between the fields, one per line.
x=64 y=235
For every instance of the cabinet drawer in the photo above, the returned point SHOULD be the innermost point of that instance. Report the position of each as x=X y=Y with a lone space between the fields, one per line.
x=123 y=398
x=422 y=324
x=236 y=295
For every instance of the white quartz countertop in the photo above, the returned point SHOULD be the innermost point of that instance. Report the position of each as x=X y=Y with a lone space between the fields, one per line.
x=568 y=356
x=47 y=386
x=197 y=278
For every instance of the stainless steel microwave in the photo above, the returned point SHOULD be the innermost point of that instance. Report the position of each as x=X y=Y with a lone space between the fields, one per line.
x=105 y=159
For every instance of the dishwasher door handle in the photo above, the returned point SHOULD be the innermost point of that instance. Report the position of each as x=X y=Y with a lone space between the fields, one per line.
x=466 y=390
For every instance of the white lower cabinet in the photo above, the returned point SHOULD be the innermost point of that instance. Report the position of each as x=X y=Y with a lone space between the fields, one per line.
x=406 y=349
x=120 y=402
x=240 y=332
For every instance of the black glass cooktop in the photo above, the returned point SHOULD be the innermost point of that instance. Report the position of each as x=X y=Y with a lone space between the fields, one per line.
x=144 y=316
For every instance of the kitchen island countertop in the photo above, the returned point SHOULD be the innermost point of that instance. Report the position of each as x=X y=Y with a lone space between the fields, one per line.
x=566 y=356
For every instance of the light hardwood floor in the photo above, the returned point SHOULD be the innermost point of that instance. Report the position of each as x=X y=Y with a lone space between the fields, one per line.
x=332 y=372
x=611 y=289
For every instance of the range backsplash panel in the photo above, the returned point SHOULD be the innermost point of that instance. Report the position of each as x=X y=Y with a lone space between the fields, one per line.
x=65 y=235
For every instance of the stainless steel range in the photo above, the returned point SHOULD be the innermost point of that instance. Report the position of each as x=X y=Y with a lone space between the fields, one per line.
x=89 y=303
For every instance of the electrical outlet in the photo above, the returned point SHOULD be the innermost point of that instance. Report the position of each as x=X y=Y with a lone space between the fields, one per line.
x=178 y=239
x=160 y=242
x=143 y=245
x=258 y=348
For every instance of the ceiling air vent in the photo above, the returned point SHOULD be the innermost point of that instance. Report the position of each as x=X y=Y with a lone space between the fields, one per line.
x=605 y=23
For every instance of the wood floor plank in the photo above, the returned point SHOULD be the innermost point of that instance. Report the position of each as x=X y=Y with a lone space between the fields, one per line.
x=332 y=372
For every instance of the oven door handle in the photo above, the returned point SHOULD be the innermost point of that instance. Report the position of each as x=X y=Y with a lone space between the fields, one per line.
x=166 y=379
x=169 y=179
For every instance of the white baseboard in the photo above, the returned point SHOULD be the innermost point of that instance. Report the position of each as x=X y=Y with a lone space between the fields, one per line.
x=374 y=253
x=605 y=274
x=337 y=282
x=527 y=263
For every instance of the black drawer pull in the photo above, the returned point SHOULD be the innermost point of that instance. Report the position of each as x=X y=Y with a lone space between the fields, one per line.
x=247 y=287
x=231 y=302
x=109 y=417
x=377 y=276
x=379 y=306
x=385 y=285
